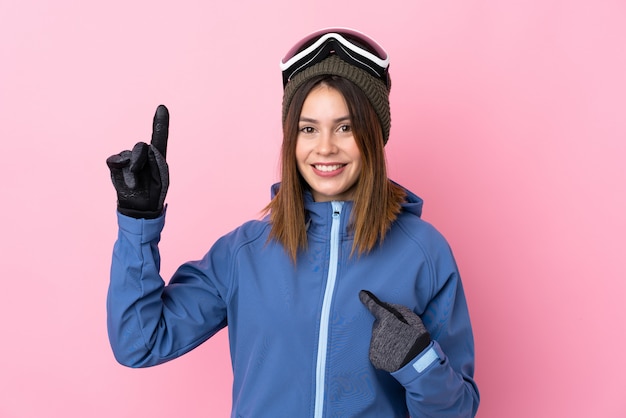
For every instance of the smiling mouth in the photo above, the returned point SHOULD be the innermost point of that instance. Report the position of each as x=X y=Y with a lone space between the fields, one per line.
x=328 y=168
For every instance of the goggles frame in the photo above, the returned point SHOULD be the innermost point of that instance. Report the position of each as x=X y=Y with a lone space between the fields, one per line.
x=350 y=45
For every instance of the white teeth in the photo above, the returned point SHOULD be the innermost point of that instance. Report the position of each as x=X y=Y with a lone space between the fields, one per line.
x=328 y=167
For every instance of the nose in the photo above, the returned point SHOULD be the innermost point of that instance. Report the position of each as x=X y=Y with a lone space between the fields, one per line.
x=327 y=144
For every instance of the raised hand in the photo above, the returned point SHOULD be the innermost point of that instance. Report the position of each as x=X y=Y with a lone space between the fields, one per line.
x=141 y=176
x=398 y=334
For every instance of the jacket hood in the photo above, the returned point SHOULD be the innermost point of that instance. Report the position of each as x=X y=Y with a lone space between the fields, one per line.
x=413 y=203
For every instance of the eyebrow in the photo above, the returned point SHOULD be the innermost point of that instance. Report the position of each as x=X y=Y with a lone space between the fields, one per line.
x=311 y=120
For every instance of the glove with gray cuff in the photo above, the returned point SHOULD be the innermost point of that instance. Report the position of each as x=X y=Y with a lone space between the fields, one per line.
x=398 y=334
x=141 y=176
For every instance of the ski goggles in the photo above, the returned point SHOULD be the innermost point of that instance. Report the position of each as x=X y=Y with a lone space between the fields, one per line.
x=350 y=45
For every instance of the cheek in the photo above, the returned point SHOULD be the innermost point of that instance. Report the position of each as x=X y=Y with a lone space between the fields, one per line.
x=301 y=152
x=300 y=164
x=298 y=156
x=356 y=158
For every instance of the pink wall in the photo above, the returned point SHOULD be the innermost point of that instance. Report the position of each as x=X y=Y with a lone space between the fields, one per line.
x=508 y=118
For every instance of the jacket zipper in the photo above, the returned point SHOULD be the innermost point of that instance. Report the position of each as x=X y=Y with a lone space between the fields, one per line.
x=322 y=345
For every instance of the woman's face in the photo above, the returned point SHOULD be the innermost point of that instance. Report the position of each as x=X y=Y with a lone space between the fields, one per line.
x=326 y=152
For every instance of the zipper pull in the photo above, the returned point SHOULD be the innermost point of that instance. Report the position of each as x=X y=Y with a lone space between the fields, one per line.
x=337 y=209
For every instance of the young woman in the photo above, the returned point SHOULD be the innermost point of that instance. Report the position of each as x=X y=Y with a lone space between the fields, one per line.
x=341 y=301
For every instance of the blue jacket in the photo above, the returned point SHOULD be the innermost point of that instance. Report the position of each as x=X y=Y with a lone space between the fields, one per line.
x=299 y=336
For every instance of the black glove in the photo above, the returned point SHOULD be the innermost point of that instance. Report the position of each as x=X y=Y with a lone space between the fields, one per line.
x=141 y=176
x=398 y=334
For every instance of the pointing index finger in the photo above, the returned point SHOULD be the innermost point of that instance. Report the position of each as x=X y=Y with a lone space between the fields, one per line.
x=160 y=129
x=372 y=303
x=378 y=308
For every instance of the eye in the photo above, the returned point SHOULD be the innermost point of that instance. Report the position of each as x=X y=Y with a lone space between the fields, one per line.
x=345 y=128
x=307 y=130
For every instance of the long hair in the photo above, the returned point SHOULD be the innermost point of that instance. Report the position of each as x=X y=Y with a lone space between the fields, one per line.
x=377 y=201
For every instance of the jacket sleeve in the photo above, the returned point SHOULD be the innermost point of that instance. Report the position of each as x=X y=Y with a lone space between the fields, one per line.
x=439 y=381
x=148 y=322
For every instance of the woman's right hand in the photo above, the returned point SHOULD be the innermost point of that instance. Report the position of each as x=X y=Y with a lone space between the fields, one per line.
x=141 y=176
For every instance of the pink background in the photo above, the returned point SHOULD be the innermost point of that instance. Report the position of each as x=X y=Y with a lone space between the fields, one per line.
x=508 y=119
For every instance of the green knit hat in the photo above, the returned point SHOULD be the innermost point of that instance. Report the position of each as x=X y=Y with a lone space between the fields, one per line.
x=375 y=90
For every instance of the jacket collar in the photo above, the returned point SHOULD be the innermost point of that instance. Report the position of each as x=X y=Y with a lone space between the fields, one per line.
x=319 y=214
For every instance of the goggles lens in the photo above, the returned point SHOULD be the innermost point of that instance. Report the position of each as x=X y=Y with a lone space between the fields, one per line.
x=350 y=45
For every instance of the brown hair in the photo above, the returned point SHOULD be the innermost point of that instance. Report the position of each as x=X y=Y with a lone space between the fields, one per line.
x=376 y=199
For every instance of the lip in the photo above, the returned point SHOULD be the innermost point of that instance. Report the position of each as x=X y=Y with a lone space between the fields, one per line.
x=331 y=173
